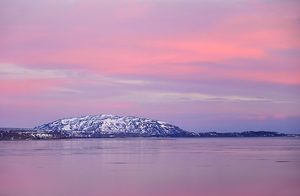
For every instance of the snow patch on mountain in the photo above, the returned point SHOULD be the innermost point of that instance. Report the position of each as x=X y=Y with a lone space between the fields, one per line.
x=113 y=124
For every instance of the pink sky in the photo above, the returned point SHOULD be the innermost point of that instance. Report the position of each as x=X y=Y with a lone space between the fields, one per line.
x=202 y=65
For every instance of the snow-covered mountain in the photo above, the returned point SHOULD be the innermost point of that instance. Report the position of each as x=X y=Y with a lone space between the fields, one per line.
x=111 y=125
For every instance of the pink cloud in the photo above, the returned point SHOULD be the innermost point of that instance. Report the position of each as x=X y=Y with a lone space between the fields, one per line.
x=189 y=43
x=12 y=87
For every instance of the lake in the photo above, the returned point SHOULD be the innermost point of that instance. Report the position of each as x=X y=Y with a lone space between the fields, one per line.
x=151 y=167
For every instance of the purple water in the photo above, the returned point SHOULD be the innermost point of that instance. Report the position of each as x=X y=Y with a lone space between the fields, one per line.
x=147 y=167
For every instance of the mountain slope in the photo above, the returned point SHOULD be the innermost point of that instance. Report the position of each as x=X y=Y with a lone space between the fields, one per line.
x=111 y=125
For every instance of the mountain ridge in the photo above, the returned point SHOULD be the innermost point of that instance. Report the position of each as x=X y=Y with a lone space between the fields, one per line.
x=107 y=124
x=110 y=126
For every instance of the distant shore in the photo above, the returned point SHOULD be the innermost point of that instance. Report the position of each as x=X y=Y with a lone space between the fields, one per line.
x=31 y=134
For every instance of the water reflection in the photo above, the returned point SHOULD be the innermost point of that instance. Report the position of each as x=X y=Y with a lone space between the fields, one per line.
x=142 y=167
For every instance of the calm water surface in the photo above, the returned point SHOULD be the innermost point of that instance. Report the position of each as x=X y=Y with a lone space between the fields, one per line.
x=151 y=167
